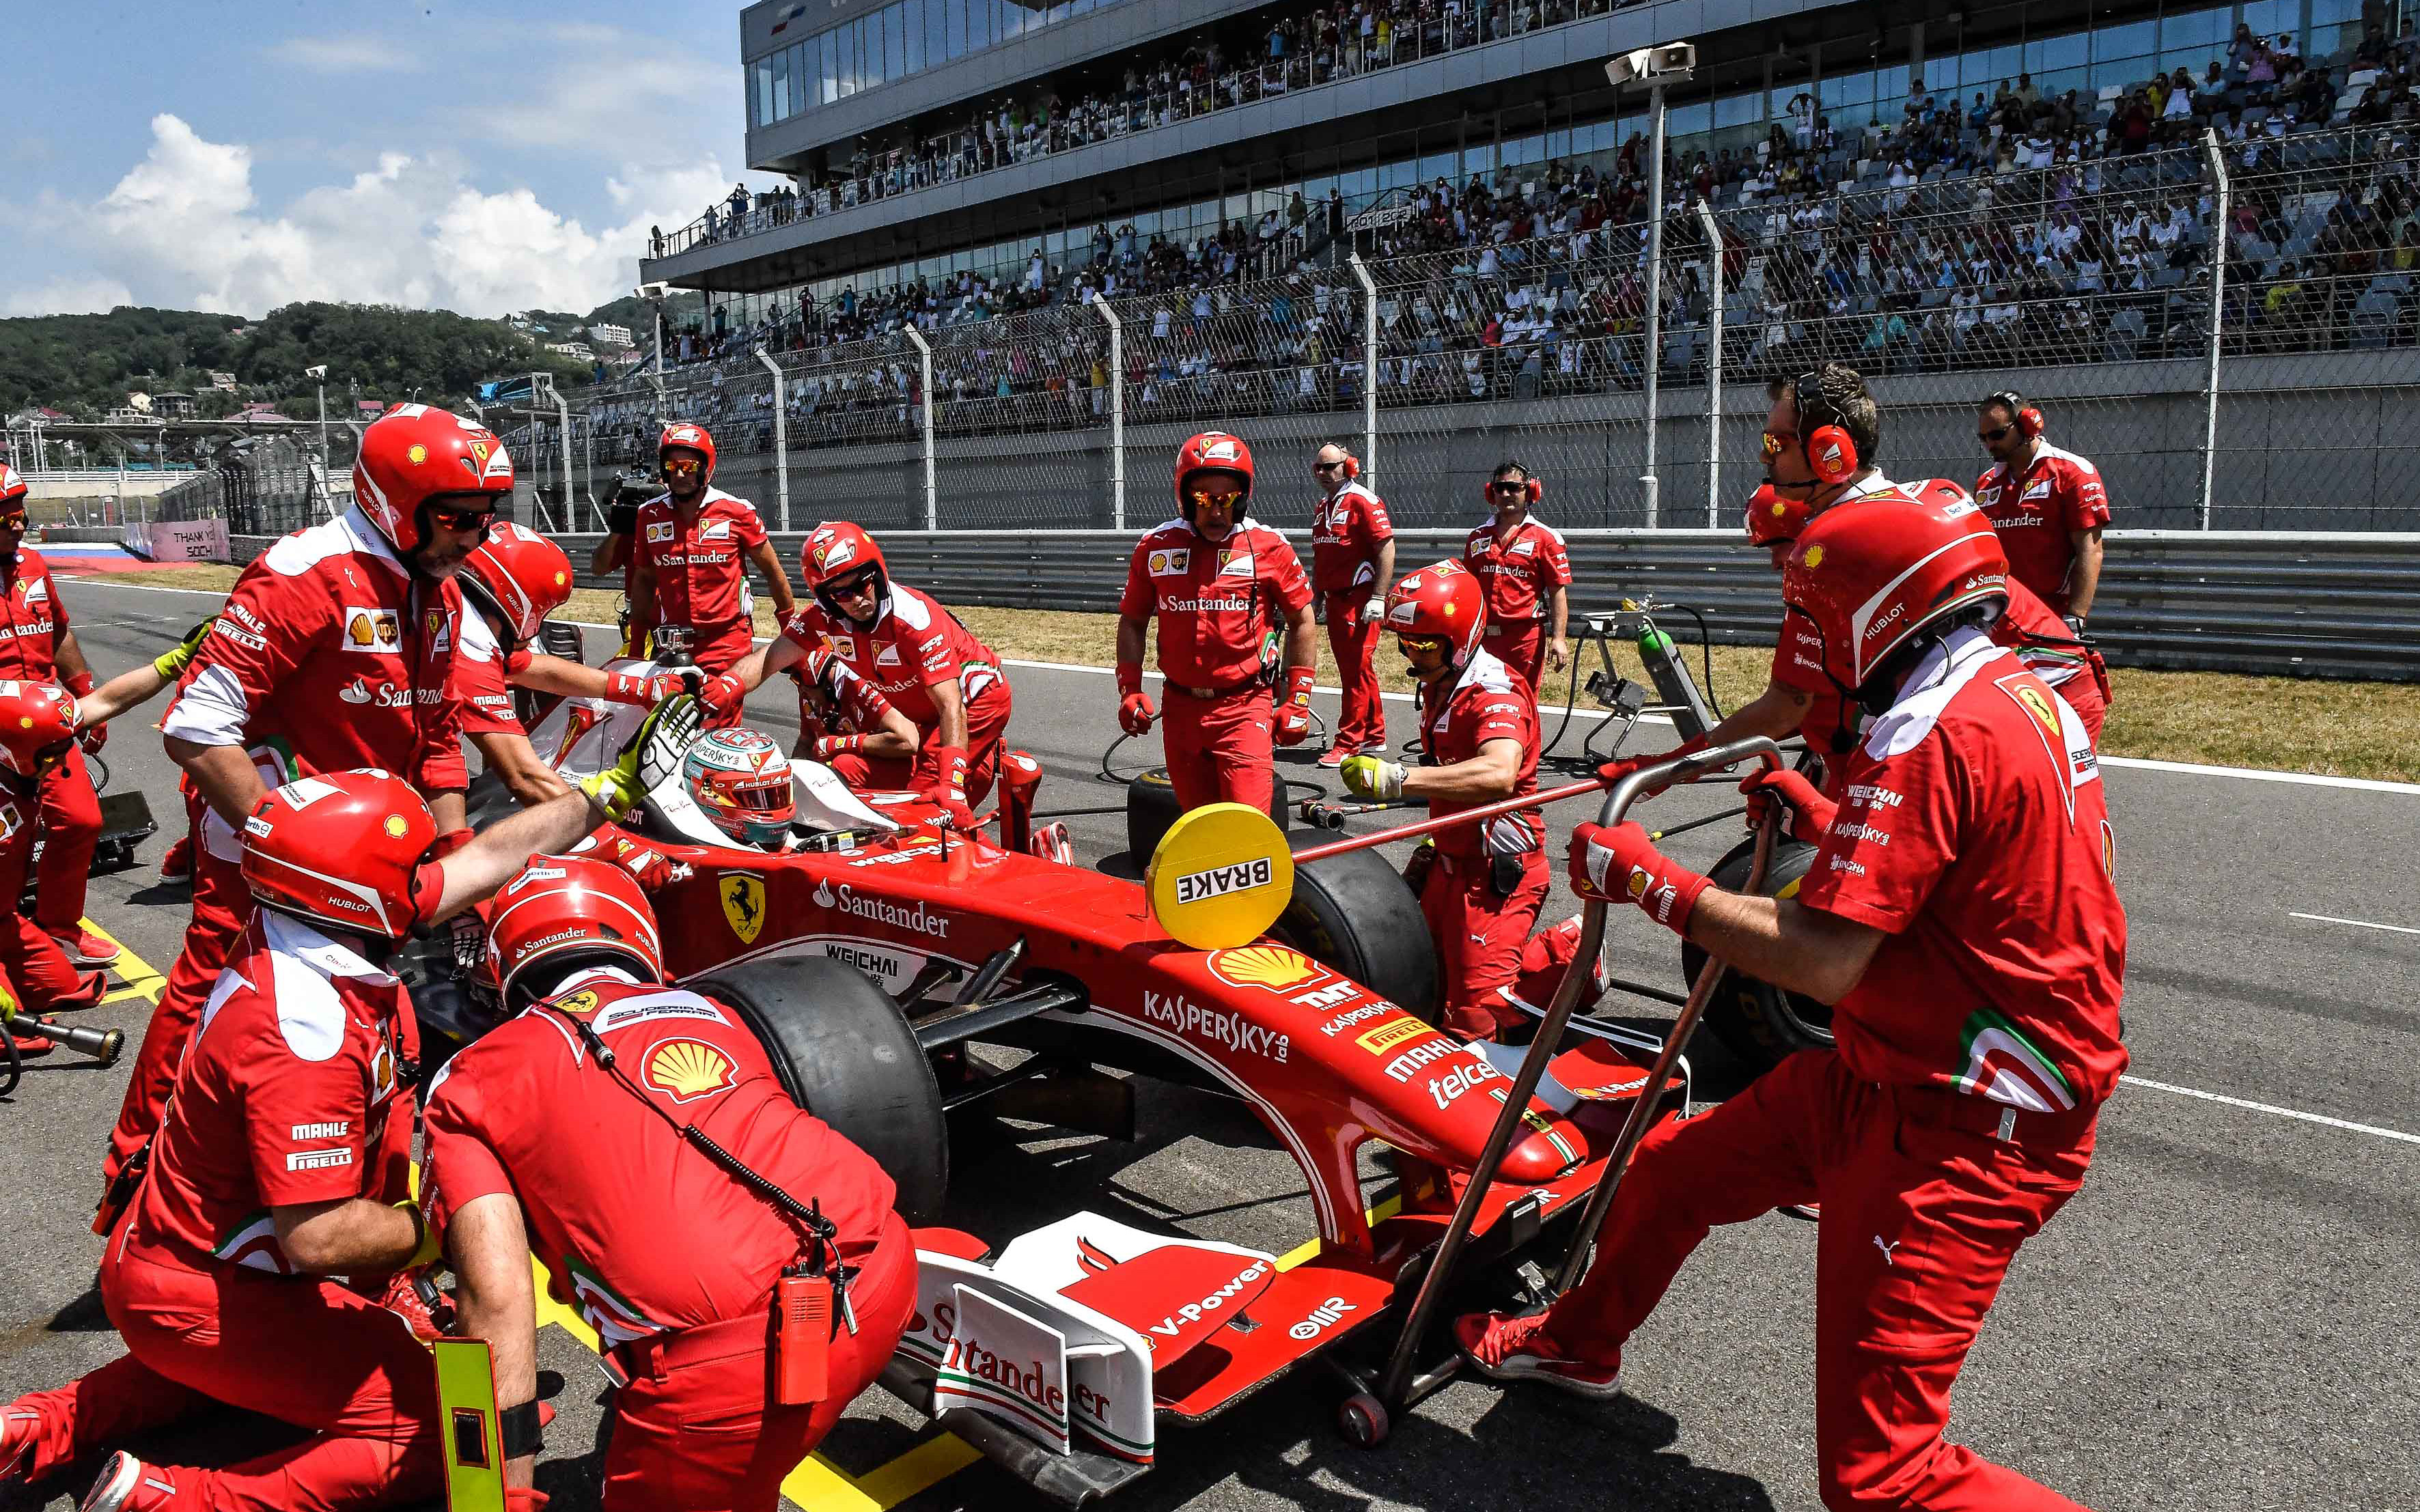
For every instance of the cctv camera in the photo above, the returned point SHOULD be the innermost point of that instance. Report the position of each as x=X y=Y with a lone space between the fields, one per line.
x=1668 y=60
x=319 y=372
x=653 y=291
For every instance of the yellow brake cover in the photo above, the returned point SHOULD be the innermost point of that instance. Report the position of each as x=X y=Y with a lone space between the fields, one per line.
x=1220 y=876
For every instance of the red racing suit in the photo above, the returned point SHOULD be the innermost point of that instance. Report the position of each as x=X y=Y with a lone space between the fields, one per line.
x=296 y=1092
x=701 y=570
x=1346 y=530
x=1489 y=880
x=33 y=622
x=1222 y=607
x=482 y=673
x=329 y=654
x=522 y=1112
x=915 y=645
x=2036 y=509
x=1957 y=1115
x=1520 y=573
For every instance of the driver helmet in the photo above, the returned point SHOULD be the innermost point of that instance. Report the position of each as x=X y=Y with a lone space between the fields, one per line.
x=741 y=779
x=38 y=724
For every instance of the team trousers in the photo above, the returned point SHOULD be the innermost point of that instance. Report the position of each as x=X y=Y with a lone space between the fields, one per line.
x=1924 y=1203
x=1218 y=748
x=1354 y=638
x=1480 y=938
x=70 y=830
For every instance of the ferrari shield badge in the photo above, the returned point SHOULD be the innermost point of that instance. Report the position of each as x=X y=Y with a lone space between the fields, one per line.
x=743 y=905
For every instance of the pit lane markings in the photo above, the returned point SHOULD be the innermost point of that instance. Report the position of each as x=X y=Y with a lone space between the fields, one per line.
x=2357 y=924
x=137 y=977
x=2246 y=1103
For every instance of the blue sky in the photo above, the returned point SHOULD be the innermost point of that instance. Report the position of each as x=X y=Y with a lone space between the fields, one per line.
x=205 y=154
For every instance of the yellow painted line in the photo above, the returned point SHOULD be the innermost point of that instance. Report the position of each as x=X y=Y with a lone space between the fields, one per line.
x=140 y=978
x=1310 y=1247
x=926 y=1465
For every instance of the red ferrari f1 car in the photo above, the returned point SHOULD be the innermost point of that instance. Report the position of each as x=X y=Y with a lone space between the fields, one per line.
x=901 y=972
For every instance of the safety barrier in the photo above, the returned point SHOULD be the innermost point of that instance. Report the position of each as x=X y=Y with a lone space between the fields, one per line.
x=2343 y=606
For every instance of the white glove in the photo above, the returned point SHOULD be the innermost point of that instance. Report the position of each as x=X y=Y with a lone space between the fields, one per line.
x=653 y=755
x=1373 y=777
x=1375 y=609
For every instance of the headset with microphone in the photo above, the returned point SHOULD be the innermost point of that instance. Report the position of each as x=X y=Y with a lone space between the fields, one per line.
x=1535 y=491
x=2026 y=417
x=1831 y=454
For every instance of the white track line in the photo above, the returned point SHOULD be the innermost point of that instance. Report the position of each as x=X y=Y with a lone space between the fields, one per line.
x=2315 y=780
x=2357 y=924
x=2271 y=1108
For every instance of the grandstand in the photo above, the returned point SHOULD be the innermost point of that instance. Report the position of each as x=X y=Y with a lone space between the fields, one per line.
x=1984 y=198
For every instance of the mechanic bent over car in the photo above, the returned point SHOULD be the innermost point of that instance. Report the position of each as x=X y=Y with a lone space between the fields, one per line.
x=1220 y=583
x=914 y=651
x=688 y=559
x=1479 y=886
x=1521 y=563
x=511 y=583
x=282 y=1164
x=709 y=1412
x=1352 y=564
x=1962 y=915
x=335 y=651
x=38 y=646
x=841 y=715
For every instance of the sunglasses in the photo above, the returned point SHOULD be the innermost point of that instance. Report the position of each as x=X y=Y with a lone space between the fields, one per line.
x=12 y=522
x=1425 y=644
x=1504 y=490
x=855 y=584
x=1327 y=467
x=684 y=466
x=462 y=520
x=1778 y=441
x=1222 y=498
x=1988 y=436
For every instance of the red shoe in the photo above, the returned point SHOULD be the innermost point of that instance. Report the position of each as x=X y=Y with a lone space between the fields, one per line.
x=177 y=865
x=405 y=1298
x=1517 y=1349
x=85 y=948
x=1334 y=757
x=127 y=1484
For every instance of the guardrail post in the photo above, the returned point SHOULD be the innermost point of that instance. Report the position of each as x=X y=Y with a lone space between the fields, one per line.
x=1369 y=363
x=1117 y=414
x=780 y=437
x=2219 y=235
x=924 y=371
x=1713 y=370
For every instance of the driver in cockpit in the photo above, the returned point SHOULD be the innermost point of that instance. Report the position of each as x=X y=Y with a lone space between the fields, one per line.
x=741 y=781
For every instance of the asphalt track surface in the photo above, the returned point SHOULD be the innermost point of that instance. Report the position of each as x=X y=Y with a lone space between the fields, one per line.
x=2224 y=1318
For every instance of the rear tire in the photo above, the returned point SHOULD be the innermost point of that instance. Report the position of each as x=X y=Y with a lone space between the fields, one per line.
x=1354 y=912
x=846 y=1054
x=1151 y=808
x=1760 y=1024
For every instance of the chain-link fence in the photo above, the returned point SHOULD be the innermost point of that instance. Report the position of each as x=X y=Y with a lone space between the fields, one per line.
x=2089 y=286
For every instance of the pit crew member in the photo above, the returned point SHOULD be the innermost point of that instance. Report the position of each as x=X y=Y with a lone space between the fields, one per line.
x=846 y=723
x=1351 y=562
x=1521 y=562
x=334 y=651
x=914 y=651
x=688 y=555
x=2049 y=506
x=1962 y=917
x=1220 y=583
x=38 y=646
x=1482 y=884
x=514 y=1125
x=511 y=583
x=282 y=1164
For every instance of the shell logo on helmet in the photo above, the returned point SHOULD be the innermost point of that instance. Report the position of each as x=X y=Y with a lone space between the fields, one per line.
x=418 y=455
x=1813 y=557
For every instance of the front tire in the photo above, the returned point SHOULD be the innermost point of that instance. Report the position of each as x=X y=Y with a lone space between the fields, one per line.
x=1354 y=912
x=1758 y=1023
x=1151 y=808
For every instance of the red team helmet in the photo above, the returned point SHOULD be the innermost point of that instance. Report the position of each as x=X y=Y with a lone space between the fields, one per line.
x=1869 y=578
x=1772 y=520
x=37 y=723
x=688 y=436
x=520 y=575
x=344 y=849
x=1213 y=450
x=566 y=905
x=13 y=489
x=413 y=453
x=836 y=549
x=1440 y=600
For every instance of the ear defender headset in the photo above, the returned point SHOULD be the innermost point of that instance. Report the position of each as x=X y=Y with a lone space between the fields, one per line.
x=1535 y=491
x=1831 y=455
x=2027 y=419
x=1352 y=466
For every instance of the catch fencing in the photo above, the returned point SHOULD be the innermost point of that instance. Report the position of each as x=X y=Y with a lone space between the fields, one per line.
x=2092 y=289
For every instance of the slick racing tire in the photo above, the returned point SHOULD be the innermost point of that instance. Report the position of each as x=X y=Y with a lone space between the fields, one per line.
x=846 y=1054
x=1757 y=1022
x=1354 y=914
x=1151 y=808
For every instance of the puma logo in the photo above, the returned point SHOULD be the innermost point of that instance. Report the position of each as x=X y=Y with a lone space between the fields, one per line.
x=1887 y=1249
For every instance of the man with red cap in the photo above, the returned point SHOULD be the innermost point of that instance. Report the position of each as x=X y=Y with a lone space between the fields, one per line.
x=37 y=646
x=915 y=653
x=1220 y=584
x=1482 y=884
x=1962 y=918
x=690 y=554
x=514 y=1128
x=1521 y=562
x=334 y=651
x=282 y=1165
x=1352 y=562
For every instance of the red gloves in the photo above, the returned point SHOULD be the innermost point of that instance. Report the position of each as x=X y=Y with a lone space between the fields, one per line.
x=1134 y=713
x=722 y=697
x=1622 y=865
x=92 y=738
x=828 y=747
x=644 y=692
x=1294 y=711
x=1793 y=788
x=1615 y=770
x=950 y=791
x=524 y=1499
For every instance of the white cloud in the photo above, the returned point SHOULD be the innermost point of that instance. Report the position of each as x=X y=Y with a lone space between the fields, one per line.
x=184 y=229
x=343 y=55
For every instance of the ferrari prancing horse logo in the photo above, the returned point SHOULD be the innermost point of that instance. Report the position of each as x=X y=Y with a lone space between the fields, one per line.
x=743 y=905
